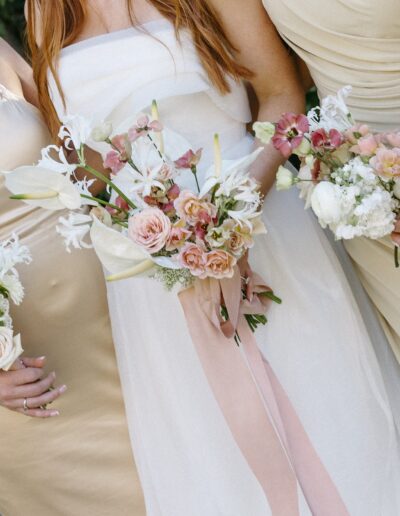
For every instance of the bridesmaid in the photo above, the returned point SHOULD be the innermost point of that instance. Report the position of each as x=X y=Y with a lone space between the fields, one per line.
x=358 y=43
x=78 y=463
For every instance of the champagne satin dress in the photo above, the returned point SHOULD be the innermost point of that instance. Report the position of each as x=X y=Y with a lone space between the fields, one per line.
x=355 y=42
x=79 y=463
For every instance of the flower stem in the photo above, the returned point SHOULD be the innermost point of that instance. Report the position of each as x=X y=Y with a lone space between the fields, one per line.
x=101 y=201
x=108 y=182
x=194 y=171
x=396 y=257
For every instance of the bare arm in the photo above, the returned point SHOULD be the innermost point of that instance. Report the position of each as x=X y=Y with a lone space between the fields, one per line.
x=274 y=80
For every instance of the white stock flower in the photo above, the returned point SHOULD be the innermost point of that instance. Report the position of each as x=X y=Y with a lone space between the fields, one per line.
x=12 y=284
x=61 y=165
x=10 y=348
x=284 y=179
x=264 y=131
x=102 y=132
x=75 y=131
x=74 y=229
x=42 y=187
x=326 y=203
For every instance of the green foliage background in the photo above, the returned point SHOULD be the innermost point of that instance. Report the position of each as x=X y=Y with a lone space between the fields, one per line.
x=12 y=21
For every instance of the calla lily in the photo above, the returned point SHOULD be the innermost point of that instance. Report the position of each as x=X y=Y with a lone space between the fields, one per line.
x=41 y=187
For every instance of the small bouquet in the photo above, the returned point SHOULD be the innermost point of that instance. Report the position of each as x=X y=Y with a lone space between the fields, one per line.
x=11 y=254
x=156 y=219
x=349 y=175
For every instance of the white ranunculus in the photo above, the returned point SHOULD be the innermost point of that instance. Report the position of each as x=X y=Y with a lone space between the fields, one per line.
x=264 y=131
x=284 y=179
x=326 y=203
x=10 y=348
x=12 y=284
x=41 y=187
x=102 y=132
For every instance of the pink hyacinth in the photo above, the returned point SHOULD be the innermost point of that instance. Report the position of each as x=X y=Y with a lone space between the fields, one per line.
x=113 y=161
x=143 y=127
x=289 y=133
x=366 y=146
x=189 y=160
x=322 y=141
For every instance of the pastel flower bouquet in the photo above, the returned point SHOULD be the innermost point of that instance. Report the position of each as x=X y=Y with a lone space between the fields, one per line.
x=156 y=219
x=349 y=175
x=12 y=253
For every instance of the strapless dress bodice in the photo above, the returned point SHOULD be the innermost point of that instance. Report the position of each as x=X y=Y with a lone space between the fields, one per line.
x=354 y=42
x=143 y=63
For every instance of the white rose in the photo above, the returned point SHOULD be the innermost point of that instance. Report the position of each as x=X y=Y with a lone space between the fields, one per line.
x=326 y=203
x=102 y=132
x=264 y=131
x=284 y=179
x=10 y=348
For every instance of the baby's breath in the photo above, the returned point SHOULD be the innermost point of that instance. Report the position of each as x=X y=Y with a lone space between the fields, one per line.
x=172 y=277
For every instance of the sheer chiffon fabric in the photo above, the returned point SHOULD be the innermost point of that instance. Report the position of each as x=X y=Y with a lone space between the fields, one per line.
x=316 y=341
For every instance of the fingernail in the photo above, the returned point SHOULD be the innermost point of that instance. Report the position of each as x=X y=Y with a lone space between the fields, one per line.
x=41 y=358
x=55 y=413
x=53 y=374
x=62 y=389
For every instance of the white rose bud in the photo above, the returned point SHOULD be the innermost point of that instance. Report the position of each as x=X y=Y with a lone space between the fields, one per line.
x=264 y=131
x=10 y=348
x=326 y=202
x=102 y=132
x=284 y=179
x=396 y=189
x=303 y=149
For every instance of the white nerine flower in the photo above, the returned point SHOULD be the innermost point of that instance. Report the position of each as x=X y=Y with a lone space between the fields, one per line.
x=61 y=165
x=10 y=348
x=333 y=112
x=264 y=131
x=102 y=132
x=12 y=284
x=74 y=229
x=83 y=187
x=12 y=253
x=75 y=131
x=284 y=179
x=42 y=187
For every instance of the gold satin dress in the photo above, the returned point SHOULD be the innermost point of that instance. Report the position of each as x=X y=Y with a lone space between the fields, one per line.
x=355 y=42
x=80 y=463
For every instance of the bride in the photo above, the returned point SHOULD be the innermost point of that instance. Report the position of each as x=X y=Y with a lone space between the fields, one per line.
x=90 y=60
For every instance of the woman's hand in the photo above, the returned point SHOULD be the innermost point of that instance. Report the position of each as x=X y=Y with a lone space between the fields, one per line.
x=26 y=388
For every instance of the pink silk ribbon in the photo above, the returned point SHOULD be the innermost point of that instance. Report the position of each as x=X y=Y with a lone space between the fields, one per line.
x=256 y=408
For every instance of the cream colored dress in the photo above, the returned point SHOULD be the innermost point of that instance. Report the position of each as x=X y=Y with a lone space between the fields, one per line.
x=355 y=42
x=79 y=464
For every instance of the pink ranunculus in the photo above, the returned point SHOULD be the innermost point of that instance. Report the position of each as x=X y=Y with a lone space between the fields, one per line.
x=113 y=161
x=356 y=132
x=289 y=133
x=189 y=159
x=392 y=139
x=220 y=264
x=143 y=127
x=321 y=140
x=177 y=238
x=386 y=162
x=194 y=258
x=150 y=229
x=366 y=146
x=192 y=209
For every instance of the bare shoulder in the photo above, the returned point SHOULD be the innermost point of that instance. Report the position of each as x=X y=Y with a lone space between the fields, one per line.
x=9 y=77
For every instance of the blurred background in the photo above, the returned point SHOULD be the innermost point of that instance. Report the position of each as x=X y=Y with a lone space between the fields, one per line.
x=12 y=22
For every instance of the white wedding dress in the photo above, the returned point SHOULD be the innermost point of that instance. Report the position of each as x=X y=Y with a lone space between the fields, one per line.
x=316 y=341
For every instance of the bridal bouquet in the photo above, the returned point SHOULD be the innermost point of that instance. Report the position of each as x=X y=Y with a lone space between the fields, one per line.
x=349 y=175
x=155 y=219
x=11 y=254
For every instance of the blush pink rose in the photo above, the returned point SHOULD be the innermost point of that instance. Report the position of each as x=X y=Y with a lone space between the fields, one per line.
x=193 y=257
x=150 y=229
x=366 y=146
x=386 y=162
x=193 y=210
x=220 y=264
x=393 y=139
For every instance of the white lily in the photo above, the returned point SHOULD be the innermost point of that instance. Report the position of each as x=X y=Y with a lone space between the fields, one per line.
x=42 y=187
x=75 y=131
x=74 y=229
x=61 y=165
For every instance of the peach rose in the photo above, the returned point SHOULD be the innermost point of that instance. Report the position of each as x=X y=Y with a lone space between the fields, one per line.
x=220 y=264
x=177 y=238
x=193 y=257
x=150 y=229
x=192 y=209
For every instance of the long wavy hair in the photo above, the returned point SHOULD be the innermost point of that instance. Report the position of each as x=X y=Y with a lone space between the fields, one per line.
x=57 y=23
